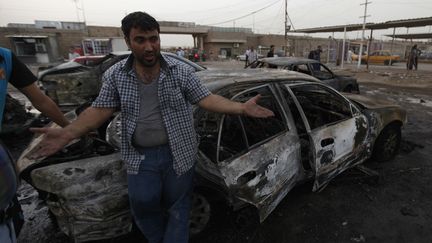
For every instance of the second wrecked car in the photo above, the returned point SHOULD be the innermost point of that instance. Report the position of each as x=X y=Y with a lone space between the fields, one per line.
x=316 y=133
x=73 y=83
x=310 y=67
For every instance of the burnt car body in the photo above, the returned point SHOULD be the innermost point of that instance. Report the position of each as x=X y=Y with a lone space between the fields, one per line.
x=73 y=84
x=310 y=67
x=316 y=134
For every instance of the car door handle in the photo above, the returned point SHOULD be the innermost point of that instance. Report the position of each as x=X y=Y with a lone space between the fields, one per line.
x=246 y=177
x=326 y=142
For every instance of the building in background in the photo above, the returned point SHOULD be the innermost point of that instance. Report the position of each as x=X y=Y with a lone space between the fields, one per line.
x=50 y=41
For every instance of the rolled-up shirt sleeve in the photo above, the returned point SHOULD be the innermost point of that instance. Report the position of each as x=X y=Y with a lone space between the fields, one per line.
x=108 y=96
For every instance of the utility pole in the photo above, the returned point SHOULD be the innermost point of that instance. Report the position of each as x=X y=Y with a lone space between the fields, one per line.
x=363 y=30
x=83 y=12
x=253 y=22
x=286 y=27
x=77 y=10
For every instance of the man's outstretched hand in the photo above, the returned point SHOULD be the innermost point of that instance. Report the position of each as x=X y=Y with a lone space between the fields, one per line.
x=251 y=108
x=53 y=141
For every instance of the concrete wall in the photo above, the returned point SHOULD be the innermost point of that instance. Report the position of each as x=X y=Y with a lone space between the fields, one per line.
x=213 y=42
x=64 y=38
x=104 y=31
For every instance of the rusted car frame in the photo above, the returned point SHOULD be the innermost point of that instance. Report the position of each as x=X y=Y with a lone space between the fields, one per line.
x=72 y=84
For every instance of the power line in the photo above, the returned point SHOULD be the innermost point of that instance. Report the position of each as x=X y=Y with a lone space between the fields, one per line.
x=244 y=16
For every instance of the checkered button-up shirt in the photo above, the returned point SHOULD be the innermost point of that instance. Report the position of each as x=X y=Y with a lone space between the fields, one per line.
x=178 y=89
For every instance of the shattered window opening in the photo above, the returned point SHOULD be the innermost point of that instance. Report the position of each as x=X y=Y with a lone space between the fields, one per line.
x=251 y=131
x=321 y=106
x=237 y=133
x=323 y=73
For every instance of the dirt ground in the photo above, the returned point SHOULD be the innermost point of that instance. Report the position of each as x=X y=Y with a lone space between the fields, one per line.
x=392 y=207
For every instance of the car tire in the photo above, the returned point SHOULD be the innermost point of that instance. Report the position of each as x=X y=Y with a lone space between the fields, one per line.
x=387 y=144
x=200 y=214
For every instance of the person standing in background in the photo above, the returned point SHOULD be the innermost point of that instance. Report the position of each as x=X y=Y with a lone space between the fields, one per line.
x=180 y=52
x=73 y=53
x=315 y=55
x=271 y=51
x=253 y=55
x=349 y=56
x=247 y=57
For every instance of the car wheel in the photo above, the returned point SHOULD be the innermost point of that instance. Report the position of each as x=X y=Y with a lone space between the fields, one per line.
x=200 y=214
x=387 y=144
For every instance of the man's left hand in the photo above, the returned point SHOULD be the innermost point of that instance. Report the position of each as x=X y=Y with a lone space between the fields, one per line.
x=251 y=108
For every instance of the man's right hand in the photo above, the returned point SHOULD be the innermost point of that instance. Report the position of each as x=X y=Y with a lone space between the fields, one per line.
x=53 y=141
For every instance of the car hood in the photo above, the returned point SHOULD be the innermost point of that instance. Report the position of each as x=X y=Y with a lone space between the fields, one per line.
x=25 y=161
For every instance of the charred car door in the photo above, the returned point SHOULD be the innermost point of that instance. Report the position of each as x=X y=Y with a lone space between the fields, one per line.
x=337 y=131
x=259 y=159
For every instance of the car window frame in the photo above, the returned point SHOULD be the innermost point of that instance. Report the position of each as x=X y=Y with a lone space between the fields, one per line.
x=249 y=147
x=326 y=68
x=303 y=114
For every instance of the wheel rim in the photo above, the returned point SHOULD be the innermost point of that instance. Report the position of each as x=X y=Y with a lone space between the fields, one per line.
x=200 y=214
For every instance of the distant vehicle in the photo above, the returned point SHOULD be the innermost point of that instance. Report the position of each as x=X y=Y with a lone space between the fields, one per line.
x=311 y=67
x=196 y=55
x=378 y=57
x=73 y=83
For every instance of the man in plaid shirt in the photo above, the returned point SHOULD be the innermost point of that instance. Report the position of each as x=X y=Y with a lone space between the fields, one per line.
x=155 y=95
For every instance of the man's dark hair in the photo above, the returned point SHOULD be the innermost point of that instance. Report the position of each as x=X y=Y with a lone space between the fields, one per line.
x=139 y=20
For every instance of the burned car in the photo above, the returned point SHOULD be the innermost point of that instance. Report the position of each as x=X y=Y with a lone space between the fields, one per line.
x=73 y=83
x=310 y=67
x=316 y=134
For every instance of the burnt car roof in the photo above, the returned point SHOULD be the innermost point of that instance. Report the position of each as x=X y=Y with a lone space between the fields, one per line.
x=283 y=61
x=217 y=79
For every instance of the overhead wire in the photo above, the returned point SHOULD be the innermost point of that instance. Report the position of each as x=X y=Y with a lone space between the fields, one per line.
x=244 y=16
x=276 y=17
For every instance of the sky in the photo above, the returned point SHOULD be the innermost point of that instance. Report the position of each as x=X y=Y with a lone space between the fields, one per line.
x=262 y=16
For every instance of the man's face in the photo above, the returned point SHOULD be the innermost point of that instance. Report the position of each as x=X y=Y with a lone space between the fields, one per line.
x=145 y=46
